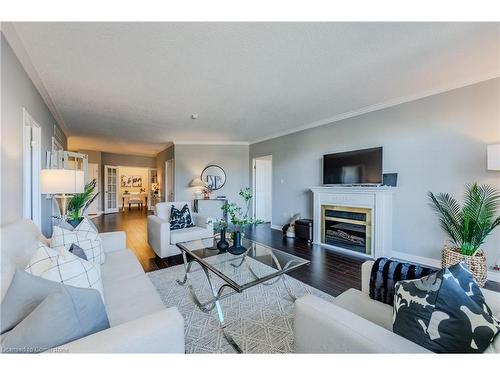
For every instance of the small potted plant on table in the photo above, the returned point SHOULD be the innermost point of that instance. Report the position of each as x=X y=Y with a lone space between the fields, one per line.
x=79 y=203
x=468 y=226
x=240 y=219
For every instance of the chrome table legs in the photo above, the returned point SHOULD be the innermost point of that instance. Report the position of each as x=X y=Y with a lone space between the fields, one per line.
x=212 y=303
x=273 y=281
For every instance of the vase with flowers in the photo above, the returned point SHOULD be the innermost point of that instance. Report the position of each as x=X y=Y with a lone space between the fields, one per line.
x=240 y=218
x=79 y=204
x=221 y=227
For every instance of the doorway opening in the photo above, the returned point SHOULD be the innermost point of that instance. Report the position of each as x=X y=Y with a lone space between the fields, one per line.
x=262 y=187
x=129 y=188
x=169 y=180
x=32 y=152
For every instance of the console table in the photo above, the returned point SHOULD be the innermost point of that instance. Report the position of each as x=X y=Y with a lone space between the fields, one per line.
x=131 y=199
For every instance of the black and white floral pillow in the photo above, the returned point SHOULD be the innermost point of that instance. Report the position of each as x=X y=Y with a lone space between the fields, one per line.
x=180 y=219
x=444 y=312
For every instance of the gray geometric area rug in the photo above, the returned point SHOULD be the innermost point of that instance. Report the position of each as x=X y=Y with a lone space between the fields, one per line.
x=260 y=319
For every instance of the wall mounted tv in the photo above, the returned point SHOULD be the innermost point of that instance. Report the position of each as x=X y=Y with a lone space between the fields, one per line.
x=353 y=167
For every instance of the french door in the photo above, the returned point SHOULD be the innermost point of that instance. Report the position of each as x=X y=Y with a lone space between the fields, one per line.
x=93 y=173
x=153 y=179
x=110 y=189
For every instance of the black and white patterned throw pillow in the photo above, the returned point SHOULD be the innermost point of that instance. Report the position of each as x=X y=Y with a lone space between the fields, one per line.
x=444 y=312
x=180 y=219
x=66 y=268
x=78 y=251
x=387 y=272
x=84 y=235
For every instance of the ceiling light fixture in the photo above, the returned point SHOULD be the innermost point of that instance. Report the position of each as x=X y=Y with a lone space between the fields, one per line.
x=194 y=116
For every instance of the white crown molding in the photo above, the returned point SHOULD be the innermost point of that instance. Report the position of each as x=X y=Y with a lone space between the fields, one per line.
x=167 y=146
x=383 y=105
x=221 y=143
x=9 y=31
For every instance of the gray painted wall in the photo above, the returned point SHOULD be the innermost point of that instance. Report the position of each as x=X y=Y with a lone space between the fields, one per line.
x=17 y=92
x=161 y=158
x=437 y=143
x=190 y=160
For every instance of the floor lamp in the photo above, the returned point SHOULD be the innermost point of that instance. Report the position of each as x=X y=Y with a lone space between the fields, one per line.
x=62 y=184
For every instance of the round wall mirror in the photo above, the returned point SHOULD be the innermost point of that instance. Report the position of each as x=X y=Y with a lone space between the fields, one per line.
x=214 y=176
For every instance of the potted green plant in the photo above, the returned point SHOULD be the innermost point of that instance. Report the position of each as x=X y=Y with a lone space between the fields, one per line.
x=240 y=219
x=468 y=226
x=80 y=202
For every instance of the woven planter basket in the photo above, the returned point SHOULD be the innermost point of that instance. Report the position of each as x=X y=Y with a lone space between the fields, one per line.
x=476 y=263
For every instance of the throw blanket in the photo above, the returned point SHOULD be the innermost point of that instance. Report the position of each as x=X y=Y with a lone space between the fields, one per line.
x=386 y=273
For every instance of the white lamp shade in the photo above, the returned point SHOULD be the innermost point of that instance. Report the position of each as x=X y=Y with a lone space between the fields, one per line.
x=494 y=157
x=61 y=181
x=197 y=182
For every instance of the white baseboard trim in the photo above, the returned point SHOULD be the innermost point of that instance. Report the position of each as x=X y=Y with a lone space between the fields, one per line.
x=277 y=227
x=492 y=275
x=417 y=259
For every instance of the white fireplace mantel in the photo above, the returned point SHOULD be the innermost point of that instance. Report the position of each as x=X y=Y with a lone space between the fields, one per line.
x=376 y=198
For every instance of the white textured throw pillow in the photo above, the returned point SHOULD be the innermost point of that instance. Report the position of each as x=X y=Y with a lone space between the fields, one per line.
x=84 y=235
x=66 y=268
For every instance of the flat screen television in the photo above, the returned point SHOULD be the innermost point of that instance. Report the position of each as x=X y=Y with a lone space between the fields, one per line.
x=353 y=167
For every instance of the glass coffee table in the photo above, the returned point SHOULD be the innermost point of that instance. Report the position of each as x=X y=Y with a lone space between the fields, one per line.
x=260 y=264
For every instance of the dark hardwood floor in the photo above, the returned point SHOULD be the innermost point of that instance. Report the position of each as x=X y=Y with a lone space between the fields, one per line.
x=329 y=271
x=134 y=223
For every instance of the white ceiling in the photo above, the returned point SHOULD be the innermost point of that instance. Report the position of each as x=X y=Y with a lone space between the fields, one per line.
x=134 y=86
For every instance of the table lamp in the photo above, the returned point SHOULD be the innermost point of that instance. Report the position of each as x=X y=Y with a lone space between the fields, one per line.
x=63 y=183
x=197 y=182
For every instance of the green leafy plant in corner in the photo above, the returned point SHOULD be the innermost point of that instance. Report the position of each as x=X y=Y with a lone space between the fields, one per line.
x=468 y=226
x=239 y=216
x=79 y=203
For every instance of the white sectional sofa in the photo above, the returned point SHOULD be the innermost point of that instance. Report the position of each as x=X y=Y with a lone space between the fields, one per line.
x=139 y=321
x=354 y=323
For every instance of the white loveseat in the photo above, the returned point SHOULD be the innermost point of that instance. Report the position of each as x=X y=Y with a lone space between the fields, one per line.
x=163 y=240
x=354 y=323
x=139 y=321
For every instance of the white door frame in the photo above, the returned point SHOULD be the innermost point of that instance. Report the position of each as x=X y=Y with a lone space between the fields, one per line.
x=106 y=209
x=169 y=195
x=254 y=187
x=32 y=155
x=91 y=166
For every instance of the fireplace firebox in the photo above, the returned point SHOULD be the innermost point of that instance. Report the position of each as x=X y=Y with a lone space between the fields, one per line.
x=349 y=228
